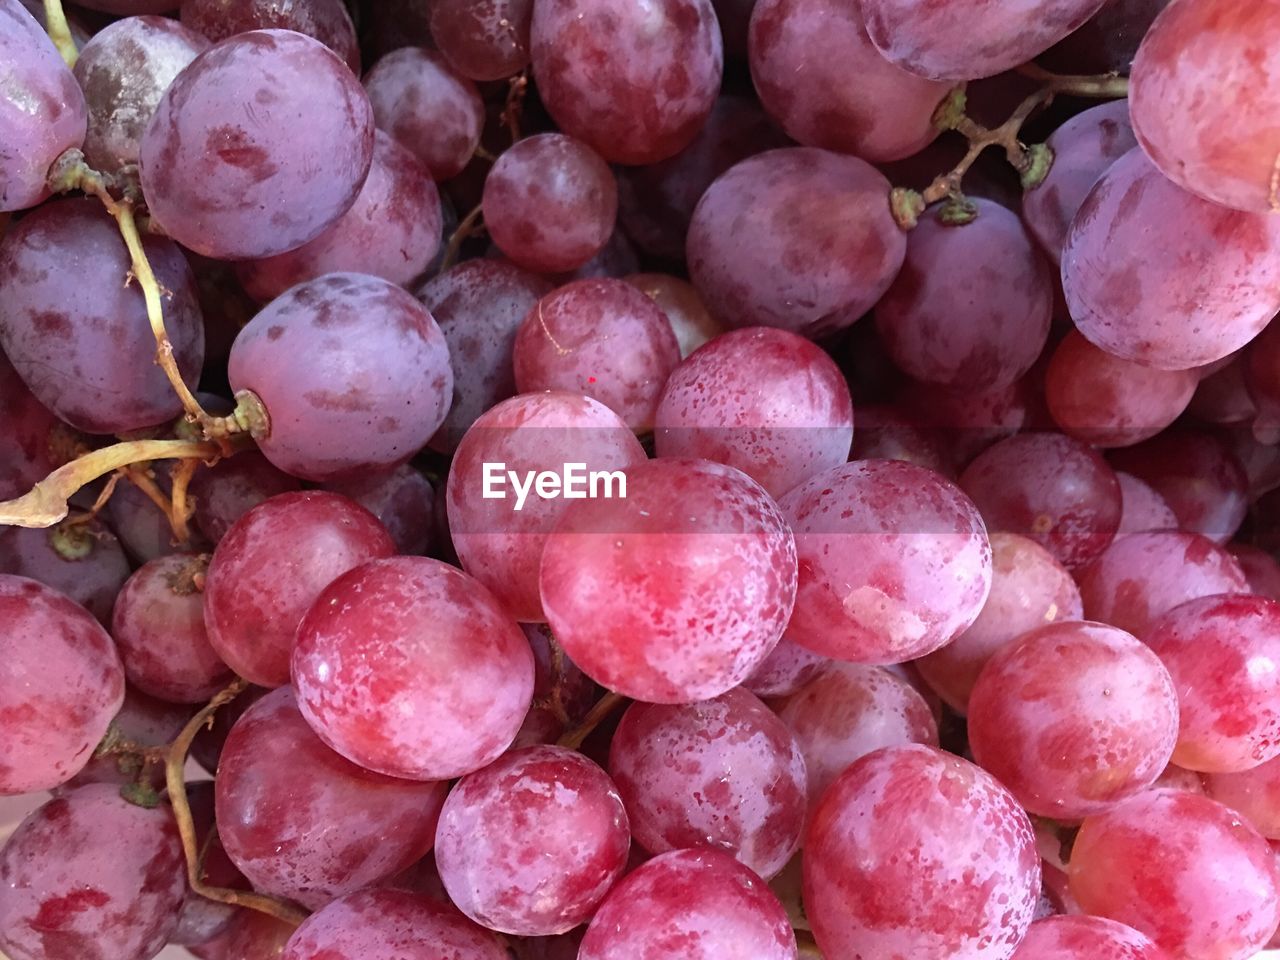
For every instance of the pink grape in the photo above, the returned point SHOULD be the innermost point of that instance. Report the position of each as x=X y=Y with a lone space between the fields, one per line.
x=90 y=876
x=1135 y=303
x=913 y=852
x=1085 y=938
x=323 y=20
x=765 y=401
x=403 y=501
x=531 y=844
x=724 y=773
x=690 y=905
x=255 y=936
x=483 y=39
x=633 y=82
x=232 y=488
x=84 y=561
x=796 y=238
x=1182 y=869
x=1252 y=793
x=454 y=674
x=61 y=686
x=1142 y=508
x=305 y=824
x=690 y=321
x=886 y=432
x=676 y=592
x=271 y=566
x=786 y=670
x=894 y=561
x=234 y=185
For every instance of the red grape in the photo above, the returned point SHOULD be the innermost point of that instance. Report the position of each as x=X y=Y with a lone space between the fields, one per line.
x=232 y=488
x=1142 y=508
x=1085 y=938
x=82 y=560
x=402 y=500
x=323 y=20
x=142 y=720
x=786 y=670
x=483 y=39
x=1252 y=793
x=255 y=936
x=690 y=321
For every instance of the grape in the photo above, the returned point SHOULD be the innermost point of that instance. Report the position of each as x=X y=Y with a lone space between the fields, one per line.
x=1176 y=778
x=142 y=526
x=353 y=374
x=303 y=823
x=765 y=401
x=723 y=773
x=90 y=876
x=894 y=561
x=1261 y=461
x=1252 y=793
x=967 y=422
x=690 y=905
x=392 y=231
x=85 y=348
x=849 y=711
x=1085 y=938
x=479 y=305
x=1029 y=589
x=454 y=674
x=562 y=694
x=802 y=53
x=323 y=20
x=1107 y=401
x=428 y=107
x=1198 y=477
x=550 y=203
x=1051 y=488
x=676 y=592
x=142 y=720
x=130 y=8
x=786 y=670
x=796 y=238
x=269 y=568
x=1137 y=301
x=259 y=146
x=391 y=925
x=617 y=259
x=1083 y=148
x=602 y=338
x=1108 y=41
x=201 y=919
x=913 y=852
x=84 y=561
x=483 y=39
x=1142 y=508
x=888 y=433
x=42 y=111
x=1262 y=379
x=211 y=738
x=255 y=936
x=232 y=488
x=690 y=321
x=31 y=438
x=1260 y=569
x=1142 y=576
x=1072 y=718
x=59 y=688
x=939 y=321
x=1223 y=397
x=1193 y=56
x=530 y=434
x=531 y=844
x=1182 y=869
x=633 y=81
x=402 y=500
x=969 y=39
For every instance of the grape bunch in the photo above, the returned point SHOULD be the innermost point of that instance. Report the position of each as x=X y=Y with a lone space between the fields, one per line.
x=614 y=480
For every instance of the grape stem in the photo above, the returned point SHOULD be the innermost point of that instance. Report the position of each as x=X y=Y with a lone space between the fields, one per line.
x=517 y=88
x=465 y=228
x=181 y=507
x=176 y=785
x=605 y=706
x=60 y=31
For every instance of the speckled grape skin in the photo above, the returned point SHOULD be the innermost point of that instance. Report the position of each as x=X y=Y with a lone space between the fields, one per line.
x=531 y=844
x=42 y=111
x=690 y=905
x=231 y=488
x=1029 y=589
x=796 y=238
x=90 y=876
x=271 y=566
x=894 y=561
x=1085 y=938
x=60 y=684
x=634 y=81
x=1142 y=508
x=479 y=305
x=724 y=773
x=259 y=146
x=677 y=592
x=411 y=668
x=496 y=544
x=428 y=106
x=393 y=231
x=1142 y=576
x=390 y=925
x=941 y=320
x=353 y=372
x=1072 y=718
x=85 y=348
x=483 y=39
x=84 y=561
x=916 y=853
x=550 y=203
x=787 y=668
x=802 y=53
x=968 y=39
x=1083 y=148
x=1157 y=275
x=305 y=824
x=1184 y=870
x=323 y=20
x=124 y=71
x=766 y=401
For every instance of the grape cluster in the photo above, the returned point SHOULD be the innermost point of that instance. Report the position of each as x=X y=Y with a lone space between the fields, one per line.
x=639 y=479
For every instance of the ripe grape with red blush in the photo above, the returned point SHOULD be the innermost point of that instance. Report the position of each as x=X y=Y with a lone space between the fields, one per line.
x=323 y=20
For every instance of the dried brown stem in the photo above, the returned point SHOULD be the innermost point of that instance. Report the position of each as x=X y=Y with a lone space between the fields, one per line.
x=605 y=706
x=60 y=31
x=107 y=490
x=466 y=227
x=182 y=508
x=517 y=88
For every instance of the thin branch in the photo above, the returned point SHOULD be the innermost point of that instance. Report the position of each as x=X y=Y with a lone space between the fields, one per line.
x=107 y=490
x=181 y=508
x=60 y=31
x=465 y=228
x=1104 y=86
x=605 y=706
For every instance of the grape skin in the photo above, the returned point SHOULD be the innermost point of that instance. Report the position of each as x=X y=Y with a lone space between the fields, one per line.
x=690 y=321
x=403 y=501
x=27 y=434
x=323 y=20
x=84 y=561
x=786 y=670
x=230 y=489
x=145 y=721
x=1142 y=509
x=1085 y=938
x=483 y=39
x=1253 y=793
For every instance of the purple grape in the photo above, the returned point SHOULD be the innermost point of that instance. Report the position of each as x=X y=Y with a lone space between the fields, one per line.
x=323 y=20
x=145 y=721
x=131 y=8
x=230 y=489
x=402 y=500
x=82 y=560
x=483 y=39
x=33 y=442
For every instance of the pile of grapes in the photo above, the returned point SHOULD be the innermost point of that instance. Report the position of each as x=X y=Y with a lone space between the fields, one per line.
x=640 y=479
